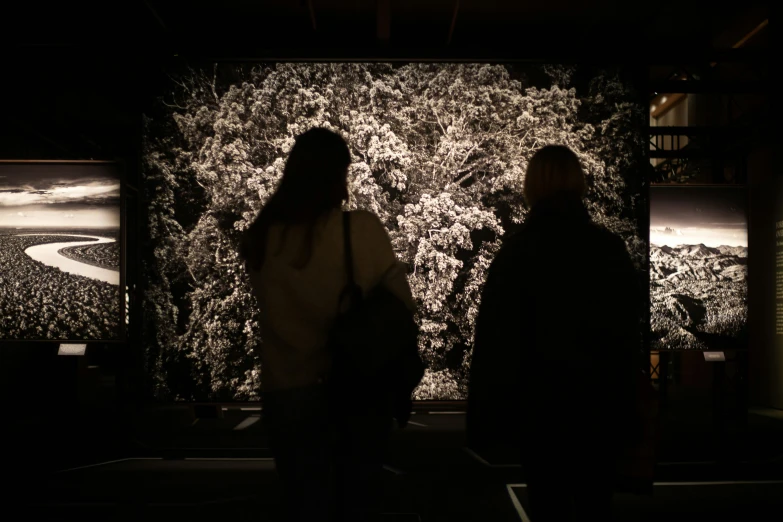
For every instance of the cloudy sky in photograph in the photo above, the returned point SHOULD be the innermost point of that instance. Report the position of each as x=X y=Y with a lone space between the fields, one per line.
x=712 y=216
x=59 y=195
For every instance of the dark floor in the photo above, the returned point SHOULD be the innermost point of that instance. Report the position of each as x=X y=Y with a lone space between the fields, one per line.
x=689 y=501
x=176 y=468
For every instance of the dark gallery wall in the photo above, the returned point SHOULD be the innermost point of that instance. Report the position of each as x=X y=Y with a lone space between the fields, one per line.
x=777 y=399
x=765 y=182
x=75 y=78
x=67 y=102
x=766 y=346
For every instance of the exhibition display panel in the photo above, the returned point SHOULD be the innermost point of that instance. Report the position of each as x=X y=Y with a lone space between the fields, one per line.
x=698 y=267
x=60 y=251
x=439 y=154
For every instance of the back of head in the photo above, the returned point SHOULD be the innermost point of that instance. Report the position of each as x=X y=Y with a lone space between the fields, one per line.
x=314 y=178
x=314 y=182
x=552 y=171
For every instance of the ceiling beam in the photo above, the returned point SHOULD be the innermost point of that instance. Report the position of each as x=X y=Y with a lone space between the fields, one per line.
x=664 y=102
x=668 y=88
x=695 y=130
x=680 y=153
x=746 y=21
x=747 y=37
x=756 y=30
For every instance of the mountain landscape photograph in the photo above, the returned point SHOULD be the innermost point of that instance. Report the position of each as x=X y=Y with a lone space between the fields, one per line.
x=59 y=251
x=698 y=268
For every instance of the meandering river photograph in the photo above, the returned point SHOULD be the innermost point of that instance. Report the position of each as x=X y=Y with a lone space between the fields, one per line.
x=59 y=251
x=65 y=256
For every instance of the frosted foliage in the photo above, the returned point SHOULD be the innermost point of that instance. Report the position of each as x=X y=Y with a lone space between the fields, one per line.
x=438 y=153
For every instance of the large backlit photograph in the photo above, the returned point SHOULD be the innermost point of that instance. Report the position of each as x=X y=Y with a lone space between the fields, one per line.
x=59 y=251
x=439 y=153
x=698 y=267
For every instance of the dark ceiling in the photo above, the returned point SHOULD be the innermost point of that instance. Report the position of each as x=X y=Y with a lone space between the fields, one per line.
x=75 y=73
x=314 y=28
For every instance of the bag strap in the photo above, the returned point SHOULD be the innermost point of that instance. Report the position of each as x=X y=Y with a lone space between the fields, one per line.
x=347 y=249
x=352 y=290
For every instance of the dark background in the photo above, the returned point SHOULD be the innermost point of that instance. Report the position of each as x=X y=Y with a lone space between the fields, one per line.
x=75 y=77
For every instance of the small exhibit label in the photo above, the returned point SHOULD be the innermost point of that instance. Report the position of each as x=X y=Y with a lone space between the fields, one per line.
x=714 y=356
x=72 y=349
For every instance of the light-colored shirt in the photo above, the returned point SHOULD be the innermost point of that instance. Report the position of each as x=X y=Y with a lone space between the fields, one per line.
x=298 y=305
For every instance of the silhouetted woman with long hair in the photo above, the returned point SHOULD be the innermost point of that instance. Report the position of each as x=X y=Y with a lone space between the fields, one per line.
x=294 y=256
x=555 y=360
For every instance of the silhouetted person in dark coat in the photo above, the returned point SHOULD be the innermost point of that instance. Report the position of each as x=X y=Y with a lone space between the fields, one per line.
x=555 y=359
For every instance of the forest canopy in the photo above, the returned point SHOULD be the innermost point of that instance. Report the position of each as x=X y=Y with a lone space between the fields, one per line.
x=439 y=153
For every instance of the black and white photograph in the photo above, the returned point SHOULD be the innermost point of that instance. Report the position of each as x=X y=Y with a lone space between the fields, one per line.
x=439 y=152
x=59 y=251
x=698 y=267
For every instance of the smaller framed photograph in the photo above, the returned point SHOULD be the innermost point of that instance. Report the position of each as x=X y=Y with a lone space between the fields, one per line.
x=698 y=267
x=60 y=251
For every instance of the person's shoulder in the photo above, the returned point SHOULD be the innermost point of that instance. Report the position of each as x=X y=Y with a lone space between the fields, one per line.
x=366 y=220
x=512 y=250
x=364 y=216
x=367 y=226
x=608 y=241
x=516 y=240
x=601 y=233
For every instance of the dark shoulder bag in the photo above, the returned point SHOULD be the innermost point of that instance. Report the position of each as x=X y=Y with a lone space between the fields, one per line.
x=374 y=346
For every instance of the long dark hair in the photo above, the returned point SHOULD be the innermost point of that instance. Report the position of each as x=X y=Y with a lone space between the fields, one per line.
x=314 y=183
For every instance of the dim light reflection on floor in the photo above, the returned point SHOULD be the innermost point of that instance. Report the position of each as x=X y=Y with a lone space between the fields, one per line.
x=524 y=517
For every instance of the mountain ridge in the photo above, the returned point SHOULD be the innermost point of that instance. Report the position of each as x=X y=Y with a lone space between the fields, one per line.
x=698 y=296
x=698 y=263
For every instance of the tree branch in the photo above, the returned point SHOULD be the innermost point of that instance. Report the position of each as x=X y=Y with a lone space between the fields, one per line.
x=523 y=138
x=469 y=153
x=214 y=81
x=173 y=105
x=190 y=271
x=438 y=118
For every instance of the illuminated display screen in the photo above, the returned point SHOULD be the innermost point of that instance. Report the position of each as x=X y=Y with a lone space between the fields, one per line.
x=698 y=267
x=439 y=154
x=59 y=251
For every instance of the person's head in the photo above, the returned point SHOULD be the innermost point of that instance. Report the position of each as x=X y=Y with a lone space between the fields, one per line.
x=553 y=170
x=314 y=182
x=315 y=177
